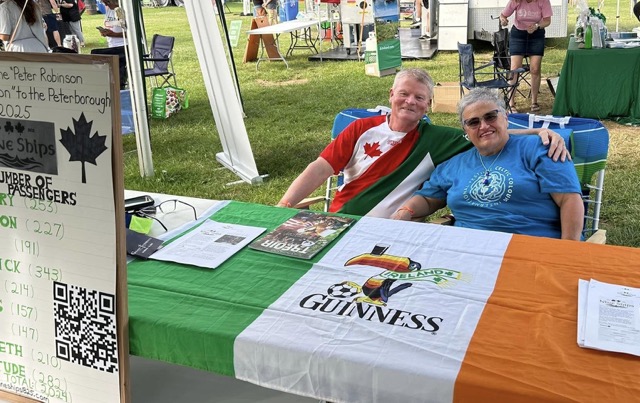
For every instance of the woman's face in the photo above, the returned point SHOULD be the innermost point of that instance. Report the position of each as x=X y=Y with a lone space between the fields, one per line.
x=486 y=127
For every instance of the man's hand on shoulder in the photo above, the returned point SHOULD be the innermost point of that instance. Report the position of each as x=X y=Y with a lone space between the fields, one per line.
x=557 y=148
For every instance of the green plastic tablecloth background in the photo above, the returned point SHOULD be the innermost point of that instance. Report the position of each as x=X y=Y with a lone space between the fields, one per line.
x=600 y=84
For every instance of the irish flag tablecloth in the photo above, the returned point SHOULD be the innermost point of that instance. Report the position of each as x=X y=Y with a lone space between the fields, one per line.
x=394 y=311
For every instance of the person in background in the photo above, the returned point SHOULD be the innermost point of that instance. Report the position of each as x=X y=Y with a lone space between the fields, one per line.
x=386 y=158
x=114 y=35
x=71 y=15
x=527 y=39
x=258 y=8
x=505 y=183
x=48 y=7
x=636 y=10
x=272 y=10
x=419 y=5
x=24 y=33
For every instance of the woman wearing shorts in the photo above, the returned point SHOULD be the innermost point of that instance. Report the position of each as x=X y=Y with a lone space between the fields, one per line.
x=527 y=38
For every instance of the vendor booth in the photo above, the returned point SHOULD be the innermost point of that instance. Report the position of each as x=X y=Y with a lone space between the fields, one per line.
x=586 y=89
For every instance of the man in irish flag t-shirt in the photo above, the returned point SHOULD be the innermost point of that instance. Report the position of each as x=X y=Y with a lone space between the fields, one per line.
x=386 y=158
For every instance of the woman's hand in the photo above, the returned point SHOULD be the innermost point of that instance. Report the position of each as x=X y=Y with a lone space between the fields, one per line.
x=533 y=28
x=106 y=32
x=504 y=21
x=403 y=214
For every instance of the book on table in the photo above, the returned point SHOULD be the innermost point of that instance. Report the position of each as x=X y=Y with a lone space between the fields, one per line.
x=303 y=235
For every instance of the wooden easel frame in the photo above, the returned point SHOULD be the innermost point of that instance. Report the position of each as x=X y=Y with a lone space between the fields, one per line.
x=267 y=41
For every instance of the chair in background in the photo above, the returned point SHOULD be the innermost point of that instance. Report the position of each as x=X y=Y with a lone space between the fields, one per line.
x=159 y=64
x=340 y=122
x=502 y=61
x=588 y=142
x=469 y=74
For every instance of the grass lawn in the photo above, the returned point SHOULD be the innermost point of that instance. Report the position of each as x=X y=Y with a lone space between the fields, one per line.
x=289 y=113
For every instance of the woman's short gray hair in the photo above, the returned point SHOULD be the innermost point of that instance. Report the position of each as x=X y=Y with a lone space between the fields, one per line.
x=419 y=75
x=481 y=95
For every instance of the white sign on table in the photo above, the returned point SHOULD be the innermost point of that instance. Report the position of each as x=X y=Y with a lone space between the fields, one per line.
x=61 y=231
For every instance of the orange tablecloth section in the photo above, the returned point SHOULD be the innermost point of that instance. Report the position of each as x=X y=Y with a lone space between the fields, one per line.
x=524 y=348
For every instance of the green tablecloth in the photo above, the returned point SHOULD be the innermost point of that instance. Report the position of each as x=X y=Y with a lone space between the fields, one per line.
x=600 y=84
x=162 y=297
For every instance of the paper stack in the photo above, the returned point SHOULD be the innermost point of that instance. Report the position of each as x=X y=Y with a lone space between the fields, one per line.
x=608 y=317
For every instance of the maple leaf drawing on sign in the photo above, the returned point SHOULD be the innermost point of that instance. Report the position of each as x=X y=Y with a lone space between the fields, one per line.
x=372 y=150
x=81 y=145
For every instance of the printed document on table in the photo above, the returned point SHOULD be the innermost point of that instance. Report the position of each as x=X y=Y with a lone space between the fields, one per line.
x=613 y=318
x=583 y=290
x=208 y=245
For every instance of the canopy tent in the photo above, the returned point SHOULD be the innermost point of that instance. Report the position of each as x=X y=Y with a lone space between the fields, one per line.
x=220 y=81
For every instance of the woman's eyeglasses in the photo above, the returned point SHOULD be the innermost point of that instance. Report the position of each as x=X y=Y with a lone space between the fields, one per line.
x=489 y=117
x=166 y=207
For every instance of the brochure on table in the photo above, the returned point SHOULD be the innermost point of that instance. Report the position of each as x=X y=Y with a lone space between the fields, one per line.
x=209 y=245
x=608 y=317
x=61 y=239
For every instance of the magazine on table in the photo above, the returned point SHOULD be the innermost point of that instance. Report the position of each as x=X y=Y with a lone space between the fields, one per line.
x=209 y=245
x=303 y=235
x=608 y=317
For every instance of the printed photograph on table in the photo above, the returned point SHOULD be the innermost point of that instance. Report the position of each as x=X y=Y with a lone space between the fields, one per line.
x=303 y=235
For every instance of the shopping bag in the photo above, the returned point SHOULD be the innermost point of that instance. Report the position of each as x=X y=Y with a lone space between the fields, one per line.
x=166 y=101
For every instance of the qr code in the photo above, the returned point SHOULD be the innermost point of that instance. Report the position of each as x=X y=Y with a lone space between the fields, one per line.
x=85 y=322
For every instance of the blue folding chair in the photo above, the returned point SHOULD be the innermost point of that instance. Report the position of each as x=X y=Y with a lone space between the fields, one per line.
x=588 y=142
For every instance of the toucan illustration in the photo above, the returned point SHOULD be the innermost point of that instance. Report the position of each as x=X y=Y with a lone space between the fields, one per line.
x=377 y=289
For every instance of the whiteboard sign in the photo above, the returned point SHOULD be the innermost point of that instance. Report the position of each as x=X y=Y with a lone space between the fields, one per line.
x=60 y=241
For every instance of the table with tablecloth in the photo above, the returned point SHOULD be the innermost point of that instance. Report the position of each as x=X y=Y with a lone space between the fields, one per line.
x=453 y=315
x=599 y=84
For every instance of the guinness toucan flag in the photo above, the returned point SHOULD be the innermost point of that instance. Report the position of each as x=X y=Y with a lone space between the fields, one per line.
x=390 y=312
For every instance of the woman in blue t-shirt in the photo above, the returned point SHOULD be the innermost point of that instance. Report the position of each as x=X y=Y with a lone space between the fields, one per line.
x=505 y=183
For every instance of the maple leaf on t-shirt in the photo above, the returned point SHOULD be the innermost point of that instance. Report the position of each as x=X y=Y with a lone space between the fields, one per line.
x=372 y=150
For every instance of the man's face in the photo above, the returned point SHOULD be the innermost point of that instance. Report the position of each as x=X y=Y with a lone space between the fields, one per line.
x=409 y=100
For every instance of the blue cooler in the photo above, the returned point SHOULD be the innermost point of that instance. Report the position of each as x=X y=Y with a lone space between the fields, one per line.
x=288 y=10
x=126 y=112
x=101 y=7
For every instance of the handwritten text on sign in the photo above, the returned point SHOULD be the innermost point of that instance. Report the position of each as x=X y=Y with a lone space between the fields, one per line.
x=57 y=232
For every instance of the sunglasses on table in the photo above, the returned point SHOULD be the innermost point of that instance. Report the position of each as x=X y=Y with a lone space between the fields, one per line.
x=166 y=207
x=489 y=117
